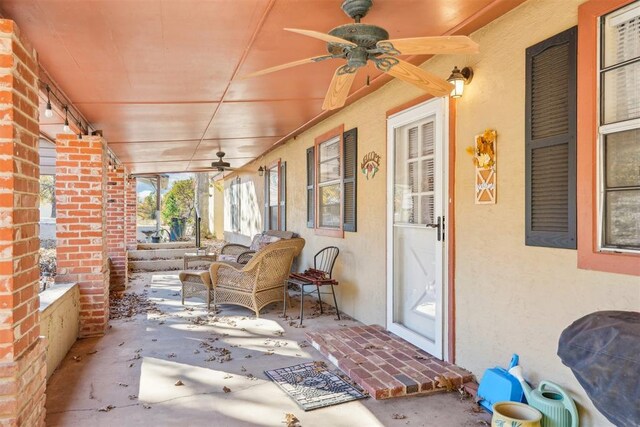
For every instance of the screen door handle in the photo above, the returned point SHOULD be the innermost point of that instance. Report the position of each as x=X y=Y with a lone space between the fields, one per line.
x=438 y=226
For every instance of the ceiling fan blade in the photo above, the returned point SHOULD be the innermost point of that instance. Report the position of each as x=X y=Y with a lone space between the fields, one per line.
x=322 y=36
x=339 y=88
x=417 y=76
x=429 y=45
x=285 y=66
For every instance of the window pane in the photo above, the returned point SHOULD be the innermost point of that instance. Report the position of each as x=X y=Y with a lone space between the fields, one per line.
x=622 y=225
x=413 y=142
x=330 y=149
x=621 y=97
x=622 y=151
x=621 y=32
x=273 y=187
x=329 y=200
x=330 y=170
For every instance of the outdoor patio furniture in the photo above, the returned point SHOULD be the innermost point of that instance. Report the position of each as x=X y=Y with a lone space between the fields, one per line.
x=194 y=256
x=257 y=283
x=196 y=284
x=319 y=275
x=235 y=252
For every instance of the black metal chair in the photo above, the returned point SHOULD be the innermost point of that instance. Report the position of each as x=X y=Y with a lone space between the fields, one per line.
x=323 y=261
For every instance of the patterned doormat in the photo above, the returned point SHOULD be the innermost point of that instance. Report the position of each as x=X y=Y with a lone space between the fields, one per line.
x=312 y=386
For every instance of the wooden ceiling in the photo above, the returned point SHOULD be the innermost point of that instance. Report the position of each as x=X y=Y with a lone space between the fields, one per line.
x=160 y=77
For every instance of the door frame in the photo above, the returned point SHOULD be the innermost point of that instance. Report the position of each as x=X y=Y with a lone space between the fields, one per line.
x=397 y=118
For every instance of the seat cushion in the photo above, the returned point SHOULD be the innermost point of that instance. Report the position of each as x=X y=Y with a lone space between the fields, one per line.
x=228 y=258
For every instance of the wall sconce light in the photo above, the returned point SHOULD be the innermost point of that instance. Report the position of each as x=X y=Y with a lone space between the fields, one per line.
x=458 y=79
x=260 y=171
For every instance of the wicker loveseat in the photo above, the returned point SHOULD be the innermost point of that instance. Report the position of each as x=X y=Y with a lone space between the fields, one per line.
x=260 y=281
x=241 y=254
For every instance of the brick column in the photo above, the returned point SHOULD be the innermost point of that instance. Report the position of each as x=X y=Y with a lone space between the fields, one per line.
x=116 y=215
x=131 y=202
x=22 y=350
x=81 y=181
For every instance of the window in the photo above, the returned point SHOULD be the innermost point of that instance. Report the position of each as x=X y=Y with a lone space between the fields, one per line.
x=619 y=129
x=550 y=142
x=606 y=43
x=275 y=197
x=331 y=182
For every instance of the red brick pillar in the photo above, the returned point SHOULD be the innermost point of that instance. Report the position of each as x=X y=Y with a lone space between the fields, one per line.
x=131 y=202
x=22 y=350
x=81 y=234
x=116 y=215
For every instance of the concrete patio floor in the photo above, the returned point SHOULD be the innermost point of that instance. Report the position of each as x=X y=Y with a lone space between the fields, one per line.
x=131 y=372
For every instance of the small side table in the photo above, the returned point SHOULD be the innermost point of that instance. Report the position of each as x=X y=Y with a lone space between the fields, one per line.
x=301 y=280
x=193 y=256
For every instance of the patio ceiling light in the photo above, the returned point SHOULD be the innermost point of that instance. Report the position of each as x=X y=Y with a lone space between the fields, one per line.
x=458 y=79
x=260 y=171
x=48 y=113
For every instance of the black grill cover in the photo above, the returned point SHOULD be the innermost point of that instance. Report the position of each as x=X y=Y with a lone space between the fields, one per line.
x=603 y=351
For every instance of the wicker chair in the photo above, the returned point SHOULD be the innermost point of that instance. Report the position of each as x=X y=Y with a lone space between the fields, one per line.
x=259 y=282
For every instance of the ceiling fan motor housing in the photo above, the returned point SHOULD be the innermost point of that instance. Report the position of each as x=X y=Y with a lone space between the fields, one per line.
x=364 y=35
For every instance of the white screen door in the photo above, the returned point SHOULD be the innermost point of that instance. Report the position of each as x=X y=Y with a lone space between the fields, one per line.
x=415 y=225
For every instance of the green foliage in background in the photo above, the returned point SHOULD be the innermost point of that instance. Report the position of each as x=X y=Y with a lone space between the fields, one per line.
x=179 y=201
x=147 y=207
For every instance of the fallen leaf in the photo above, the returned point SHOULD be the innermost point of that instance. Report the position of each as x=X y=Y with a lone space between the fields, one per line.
x=171 y=355
x=398 y=416
x=123 y=385
x=121 y=344
x=77 y=358
x=226 y=389
x=243 y=369
x=106 y=408
x=145 y=406
x=179 y=383
x=291 y=420
x=444 y=382
x=133 y=396
x=92 y=352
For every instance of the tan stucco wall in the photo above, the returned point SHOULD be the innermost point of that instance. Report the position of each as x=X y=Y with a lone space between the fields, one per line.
x=59 y=321
x=509 y=297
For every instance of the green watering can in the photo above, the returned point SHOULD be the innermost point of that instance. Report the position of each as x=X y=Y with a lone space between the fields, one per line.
x=557 y=407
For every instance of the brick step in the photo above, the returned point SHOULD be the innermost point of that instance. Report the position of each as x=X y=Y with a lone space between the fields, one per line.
x=384 y=364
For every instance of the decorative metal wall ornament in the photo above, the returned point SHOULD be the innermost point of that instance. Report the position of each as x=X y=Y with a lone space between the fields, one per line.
x=485 y=159
x=370 y=164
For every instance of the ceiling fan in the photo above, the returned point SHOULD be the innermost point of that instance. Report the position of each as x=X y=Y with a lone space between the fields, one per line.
x=359 y=43
x=220 y=165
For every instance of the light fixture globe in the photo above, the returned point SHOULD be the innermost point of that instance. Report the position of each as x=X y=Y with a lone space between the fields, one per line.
x=458 y=79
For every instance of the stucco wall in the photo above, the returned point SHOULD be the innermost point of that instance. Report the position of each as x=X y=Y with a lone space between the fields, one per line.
x=59 y=321
x=509 y=297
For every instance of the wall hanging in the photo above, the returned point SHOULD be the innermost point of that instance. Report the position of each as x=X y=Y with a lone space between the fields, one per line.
x=484 y=159
x=370 y=164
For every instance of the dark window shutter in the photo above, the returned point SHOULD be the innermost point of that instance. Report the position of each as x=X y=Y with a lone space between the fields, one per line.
x=551 y=142
x=350 y=179
x=283 y=195
x=311 y=180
